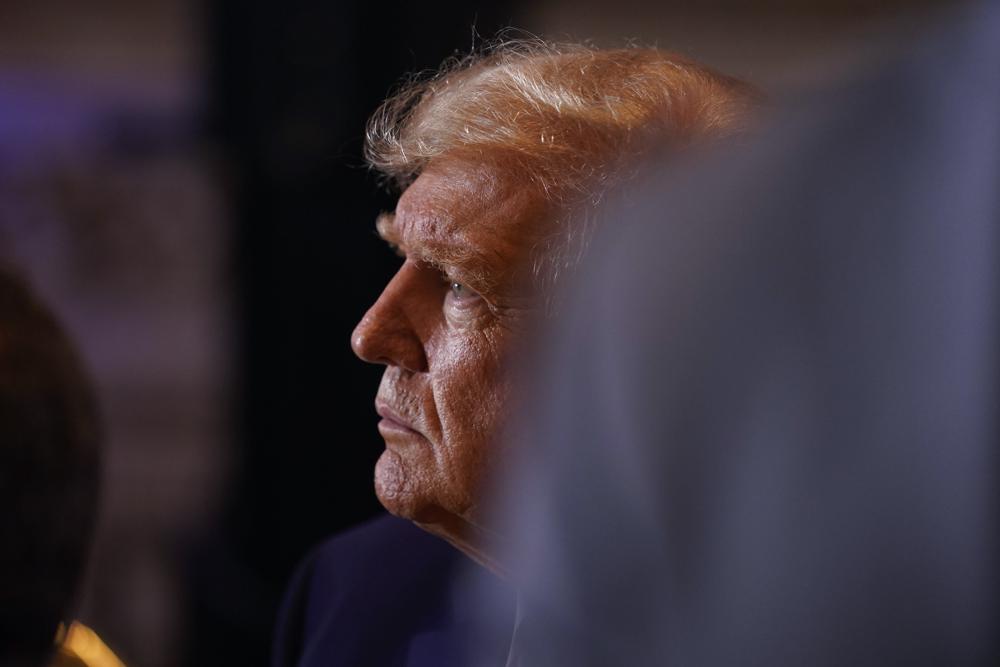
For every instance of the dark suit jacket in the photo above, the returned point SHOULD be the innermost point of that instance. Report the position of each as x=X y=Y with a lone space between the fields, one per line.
x=384 y=593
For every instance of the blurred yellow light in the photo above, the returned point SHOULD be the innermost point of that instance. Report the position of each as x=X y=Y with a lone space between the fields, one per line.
x=83 y=643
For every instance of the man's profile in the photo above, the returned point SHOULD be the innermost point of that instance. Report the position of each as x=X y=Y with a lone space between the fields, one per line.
x=494 y=156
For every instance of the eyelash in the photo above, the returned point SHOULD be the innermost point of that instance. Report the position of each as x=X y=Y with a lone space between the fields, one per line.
x=449 y=282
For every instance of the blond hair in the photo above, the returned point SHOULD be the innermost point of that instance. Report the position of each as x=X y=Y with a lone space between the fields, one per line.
x=563 y=115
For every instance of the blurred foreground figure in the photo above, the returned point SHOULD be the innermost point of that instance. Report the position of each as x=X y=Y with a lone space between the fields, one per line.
x=49 y=451
x=766 y=429
x=497 y=157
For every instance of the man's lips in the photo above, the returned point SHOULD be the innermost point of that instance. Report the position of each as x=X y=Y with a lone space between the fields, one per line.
x=391 y=420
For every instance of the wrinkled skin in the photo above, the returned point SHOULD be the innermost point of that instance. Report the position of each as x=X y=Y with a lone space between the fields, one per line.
x=444 y=327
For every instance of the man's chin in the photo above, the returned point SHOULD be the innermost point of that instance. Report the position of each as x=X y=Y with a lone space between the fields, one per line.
x=399 y=490
x=396 y=488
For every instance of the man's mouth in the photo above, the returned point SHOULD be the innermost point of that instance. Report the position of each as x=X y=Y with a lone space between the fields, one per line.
x=392 y=421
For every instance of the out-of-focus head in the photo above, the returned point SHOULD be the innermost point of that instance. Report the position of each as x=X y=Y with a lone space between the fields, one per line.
x=497 y=155
x=48 y=474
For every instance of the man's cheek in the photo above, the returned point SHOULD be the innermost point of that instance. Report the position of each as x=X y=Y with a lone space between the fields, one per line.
x=467 y=318
x=468 y=358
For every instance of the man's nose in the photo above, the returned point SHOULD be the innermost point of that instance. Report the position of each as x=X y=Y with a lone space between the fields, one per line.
x=386 y=334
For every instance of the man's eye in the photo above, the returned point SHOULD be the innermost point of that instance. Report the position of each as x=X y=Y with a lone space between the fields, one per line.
x=460 y=292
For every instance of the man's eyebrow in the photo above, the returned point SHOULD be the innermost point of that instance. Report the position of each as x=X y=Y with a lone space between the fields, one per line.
x=449 y=259
x=385 y=225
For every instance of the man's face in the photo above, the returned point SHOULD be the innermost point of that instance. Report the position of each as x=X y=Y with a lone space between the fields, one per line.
x=442 y=327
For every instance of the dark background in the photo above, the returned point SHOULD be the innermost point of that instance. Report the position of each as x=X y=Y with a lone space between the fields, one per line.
x=183 y=181
x=292 y=86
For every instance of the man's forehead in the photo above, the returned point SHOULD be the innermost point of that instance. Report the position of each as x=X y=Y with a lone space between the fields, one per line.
x=467 y=217
x=452 y=205
x=444 y=199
